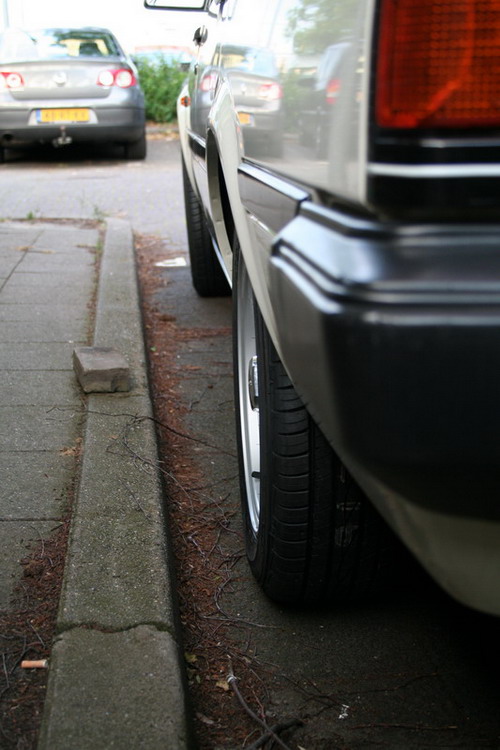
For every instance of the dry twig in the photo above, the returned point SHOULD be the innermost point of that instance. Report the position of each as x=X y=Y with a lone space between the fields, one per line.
x=269 y=732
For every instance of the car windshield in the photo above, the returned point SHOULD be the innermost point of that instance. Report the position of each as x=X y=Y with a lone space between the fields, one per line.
x=55 y=44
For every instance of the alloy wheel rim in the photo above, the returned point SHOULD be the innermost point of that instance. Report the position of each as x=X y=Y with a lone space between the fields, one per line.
x=248 y=388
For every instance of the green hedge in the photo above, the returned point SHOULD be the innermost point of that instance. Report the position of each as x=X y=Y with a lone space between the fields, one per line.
x=161 y=82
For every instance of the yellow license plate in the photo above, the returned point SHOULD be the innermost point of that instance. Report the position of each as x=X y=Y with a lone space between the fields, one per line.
x=245 y=118
x=79 y=114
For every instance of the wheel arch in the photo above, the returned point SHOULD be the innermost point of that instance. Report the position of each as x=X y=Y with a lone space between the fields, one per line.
x=229 y=218
x=222 y=164
x=221 y=214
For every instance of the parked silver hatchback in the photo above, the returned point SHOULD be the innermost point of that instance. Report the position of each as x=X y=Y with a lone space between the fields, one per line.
x=64 y=85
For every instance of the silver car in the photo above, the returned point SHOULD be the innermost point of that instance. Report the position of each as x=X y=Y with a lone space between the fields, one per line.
x=69 y=85
x=365 y=283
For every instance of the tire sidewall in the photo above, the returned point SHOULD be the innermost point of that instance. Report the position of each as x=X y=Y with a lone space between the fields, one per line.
x=257 y=541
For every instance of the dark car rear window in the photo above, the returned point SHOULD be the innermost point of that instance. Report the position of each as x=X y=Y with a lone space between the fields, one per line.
x=55 y=44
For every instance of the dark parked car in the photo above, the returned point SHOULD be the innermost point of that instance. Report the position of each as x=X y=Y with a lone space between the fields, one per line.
x=320 y=93
x=69 y=85
x=366 y=291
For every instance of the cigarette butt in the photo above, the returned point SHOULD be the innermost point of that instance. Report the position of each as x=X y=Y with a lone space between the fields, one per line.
x=37 y=664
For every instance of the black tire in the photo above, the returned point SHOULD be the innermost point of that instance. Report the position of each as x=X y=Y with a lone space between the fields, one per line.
x=311 y=534
x=207 y=275
x=137 y=149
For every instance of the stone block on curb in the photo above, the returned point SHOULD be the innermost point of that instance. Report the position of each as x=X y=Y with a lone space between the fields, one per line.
x=101 y=369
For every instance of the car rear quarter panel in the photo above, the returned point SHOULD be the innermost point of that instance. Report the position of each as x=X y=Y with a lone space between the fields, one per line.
x=298 y=40
x=216 y=132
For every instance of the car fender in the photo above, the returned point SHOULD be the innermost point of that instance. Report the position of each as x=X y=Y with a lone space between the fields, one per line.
x=223 y=127
x=183 y=122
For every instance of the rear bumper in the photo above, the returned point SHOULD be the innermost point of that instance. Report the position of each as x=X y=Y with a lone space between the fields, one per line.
x=123 y=125
x=392 y=339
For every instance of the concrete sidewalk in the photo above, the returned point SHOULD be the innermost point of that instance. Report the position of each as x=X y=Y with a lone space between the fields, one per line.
x=116 y=676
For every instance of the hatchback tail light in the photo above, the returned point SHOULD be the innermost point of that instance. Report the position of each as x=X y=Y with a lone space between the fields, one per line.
x=438 y=64
x=208 y=82
x=270 y=91
x=332 y=90
x=11 y=80
x=123 y=77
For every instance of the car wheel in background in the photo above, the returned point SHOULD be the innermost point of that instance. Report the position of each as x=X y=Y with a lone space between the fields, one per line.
x=311 y=534
x=136 y=149
x=208 y=277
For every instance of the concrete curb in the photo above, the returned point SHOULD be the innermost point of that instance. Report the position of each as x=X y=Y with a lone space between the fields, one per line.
x=116 y=677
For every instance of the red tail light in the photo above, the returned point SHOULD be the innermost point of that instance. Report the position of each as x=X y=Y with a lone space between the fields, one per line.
x=270 y=91
x=123 y=77
x=332 y=90
x=439 y=64
x=208 y=82
x=11 y=80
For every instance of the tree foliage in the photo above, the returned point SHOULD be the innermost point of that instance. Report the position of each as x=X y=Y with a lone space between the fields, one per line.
x=315 y=24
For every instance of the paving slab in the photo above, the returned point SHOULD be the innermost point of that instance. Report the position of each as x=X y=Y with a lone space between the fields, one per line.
x=25 y=310
x=46 y=355
x=36 y=331
x=15 y=540
x=38 y=388
x=60 y=237
x=7 y=265
x=48 y=261
x=21 y=289
x=26 y=428
x=58 y=280
x=16 y=235
x=35 y=483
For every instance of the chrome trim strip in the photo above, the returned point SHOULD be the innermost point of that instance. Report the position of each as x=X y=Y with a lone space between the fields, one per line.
x=456 y=171
x=272 y=200
x=197 y=145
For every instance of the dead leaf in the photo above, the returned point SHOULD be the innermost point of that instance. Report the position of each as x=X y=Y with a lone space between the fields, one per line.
x=68 y=451
x=190 y=658
x=223 y=684
x=72 y=451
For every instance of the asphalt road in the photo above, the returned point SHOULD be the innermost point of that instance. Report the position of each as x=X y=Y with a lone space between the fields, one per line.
x=413 y=671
